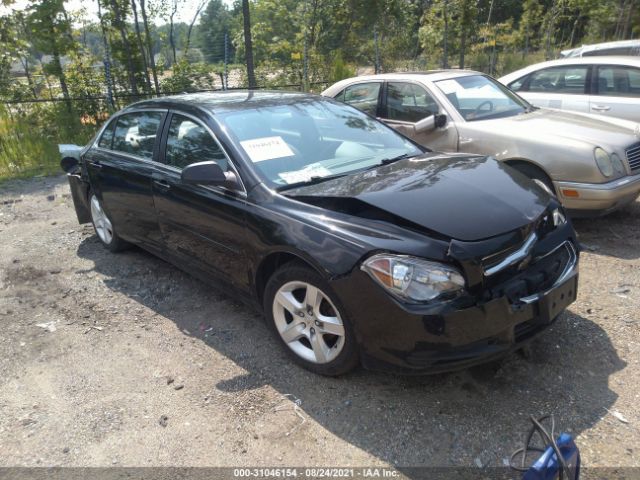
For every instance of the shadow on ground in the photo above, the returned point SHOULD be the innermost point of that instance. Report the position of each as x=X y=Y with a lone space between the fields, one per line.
x=433 y=420
x=614 y=235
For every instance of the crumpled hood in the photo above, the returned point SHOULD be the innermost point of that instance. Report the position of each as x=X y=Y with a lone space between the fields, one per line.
x=458 y=196
x=593 y=129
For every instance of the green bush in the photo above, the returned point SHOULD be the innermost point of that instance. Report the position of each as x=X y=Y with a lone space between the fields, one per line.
x=29 y=138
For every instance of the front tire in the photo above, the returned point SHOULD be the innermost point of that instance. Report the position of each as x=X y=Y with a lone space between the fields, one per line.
x=309 y=322
x=103 y=226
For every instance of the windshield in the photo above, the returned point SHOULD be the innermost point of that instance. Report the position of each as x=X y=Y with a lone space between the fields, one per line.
x=477 y=97
x=311 y=139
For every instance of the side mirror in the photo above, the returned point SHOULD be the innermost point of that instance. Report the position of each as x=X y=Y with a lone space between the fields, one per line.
x=69 y=164
x=207 y=173
x=431 y=122
x=441 y=120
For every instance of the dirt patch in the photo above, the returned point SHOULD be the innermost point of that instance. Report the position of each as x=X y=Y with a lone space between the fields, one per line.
x=93 y=346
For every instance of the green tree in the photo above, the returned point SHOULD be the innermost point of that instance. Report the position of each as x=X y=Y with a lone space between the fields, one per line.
x=216 y=20
x=49 y=28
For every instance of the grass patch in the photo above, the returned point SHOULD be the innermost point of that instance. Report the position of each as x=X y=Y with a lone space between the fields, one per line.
x=29 y=139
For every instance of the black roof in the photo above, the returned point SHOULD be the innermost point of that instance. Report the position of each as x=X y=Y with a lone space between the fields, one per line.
x=226 y=100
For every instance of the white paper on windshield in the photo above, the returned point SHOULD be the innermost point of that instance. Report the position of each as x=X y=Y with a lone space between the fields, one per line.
x=304 y=175
x=266 y=148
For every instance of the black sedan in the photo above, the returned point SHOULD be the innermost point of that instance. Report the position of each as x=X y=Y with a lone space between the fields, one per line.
x=357 y=244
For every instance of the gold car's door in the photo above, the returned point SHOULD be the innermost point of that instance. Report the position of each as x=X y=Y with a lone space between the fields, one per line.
x=405 y=105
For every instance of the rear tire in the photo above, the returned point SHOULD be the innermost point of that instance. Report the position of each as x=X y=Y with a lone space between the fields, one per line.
x=308 y=321
x=103 y=226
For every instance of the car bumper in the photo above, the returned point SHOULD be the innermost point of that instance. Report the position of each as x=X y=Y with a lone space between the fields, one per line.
x=410 y=339
x=598 y=198
x=79 y=193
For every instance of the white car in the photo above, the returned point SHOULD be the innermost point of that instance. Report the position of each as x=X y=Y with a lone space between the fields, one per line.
x=600 y=85
x=620 y=47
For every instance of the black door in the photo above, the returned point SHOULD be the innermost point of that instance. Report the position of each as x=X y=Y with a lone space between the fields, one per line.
x=201 y=225
x=121 y=170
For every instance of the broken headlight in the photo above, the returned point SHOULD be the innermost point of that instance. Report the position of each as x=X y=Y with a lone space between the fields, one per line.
x=411 y=278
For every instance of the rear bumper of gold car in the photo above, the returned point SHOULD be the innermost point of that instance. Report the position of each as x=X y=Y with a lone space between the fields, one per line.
x=598 y=198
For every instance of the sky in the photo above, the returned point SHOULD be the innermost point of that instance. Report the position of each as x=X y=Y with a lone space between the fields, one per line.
x=186 y=10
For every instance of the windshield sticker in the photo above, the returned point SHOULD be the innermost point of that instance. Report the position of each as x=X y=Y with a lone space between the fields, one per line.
x=266 y=148
x=304 y=175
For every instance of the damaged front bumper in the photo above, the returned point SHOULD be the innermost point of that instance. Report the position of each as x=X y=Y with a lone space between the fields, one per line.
x=461 y=332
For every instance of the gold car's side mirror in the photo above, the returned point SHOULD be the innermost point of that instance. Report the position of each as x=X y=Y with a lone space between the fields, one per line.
x=431 y=122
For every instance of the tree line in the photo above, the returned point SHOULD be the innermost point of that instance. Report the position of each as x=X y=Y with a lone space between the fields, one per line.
x=136 y=47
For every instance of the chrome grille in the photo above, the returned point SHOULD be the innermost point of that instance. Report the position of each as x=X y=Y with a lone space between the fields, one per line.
x=633 y=157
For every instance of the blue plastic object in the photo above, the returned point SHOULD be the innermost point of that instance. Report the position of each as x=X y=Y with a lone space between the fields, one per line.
x=547 y=466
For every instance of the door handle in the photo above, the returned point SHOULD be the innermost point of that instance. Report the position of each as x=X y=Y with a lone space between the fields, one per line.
x=601 y=108
x=162 y=185
x=95 y=164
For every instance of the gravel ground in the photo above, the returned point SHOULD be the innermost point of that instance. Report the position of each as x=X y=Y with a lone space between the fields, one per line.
x=122 y=359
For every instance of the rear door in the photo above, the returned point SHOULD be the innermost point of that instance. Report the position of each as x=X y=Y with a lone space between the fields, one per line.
x=616 y=91
x=565 y=87
x=405 y=103
x=120 y=168
x=202 y=226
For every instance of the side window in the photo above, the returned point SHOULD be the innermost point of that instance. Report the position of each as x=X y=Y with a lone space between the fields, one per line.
x=516 y=85
x=136 y=133
x=107 y=136
x=363 y=96
x=618 y=81
x=559 y=80
x=340 y=96
x=189 y=142
x=409 y=102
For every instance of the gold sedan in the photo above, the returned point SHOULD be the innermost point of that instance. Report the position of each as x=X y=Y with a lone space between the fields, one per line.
x=591 y=162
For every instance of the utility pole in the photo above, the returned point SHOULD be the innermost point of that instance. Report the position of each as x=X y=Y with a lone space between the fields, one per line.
x=305 y=53
x=248 y=46
x=375 y=42
x=445 y=46
x=225 y=81
x=106 y=61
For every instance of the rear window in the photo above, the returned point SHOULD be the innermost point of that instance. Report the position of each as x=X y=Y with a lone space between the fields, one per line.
x=618 y=81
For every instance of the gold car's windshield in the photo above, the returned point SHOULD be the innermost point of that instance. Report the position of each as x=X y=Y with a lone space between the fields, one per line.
x=478 y=97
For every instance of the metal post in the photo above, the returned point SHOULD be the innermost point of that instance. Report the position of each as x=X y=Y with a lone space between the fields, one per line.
x=375 y=41
x=106 y=61
x=305 y=53
x=225 y=82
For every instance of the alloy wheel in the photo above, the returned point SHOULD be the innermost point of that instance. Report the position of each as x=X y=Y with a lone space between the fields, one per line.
x=101 y=222
x=308 y=322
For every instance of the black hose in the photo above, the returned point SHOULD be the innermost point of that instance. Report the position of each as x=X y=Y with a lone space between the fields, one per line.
x=547 y=439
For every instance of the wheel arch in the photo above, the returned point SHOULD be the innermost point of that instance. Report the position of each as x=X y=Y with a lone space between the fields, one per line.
x=273 y=261
x=527 y=163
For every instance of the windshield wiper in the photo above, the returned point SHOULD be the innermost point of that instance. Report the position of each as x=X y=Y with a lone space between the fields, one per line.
x=387 y=161
x=312 y=181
